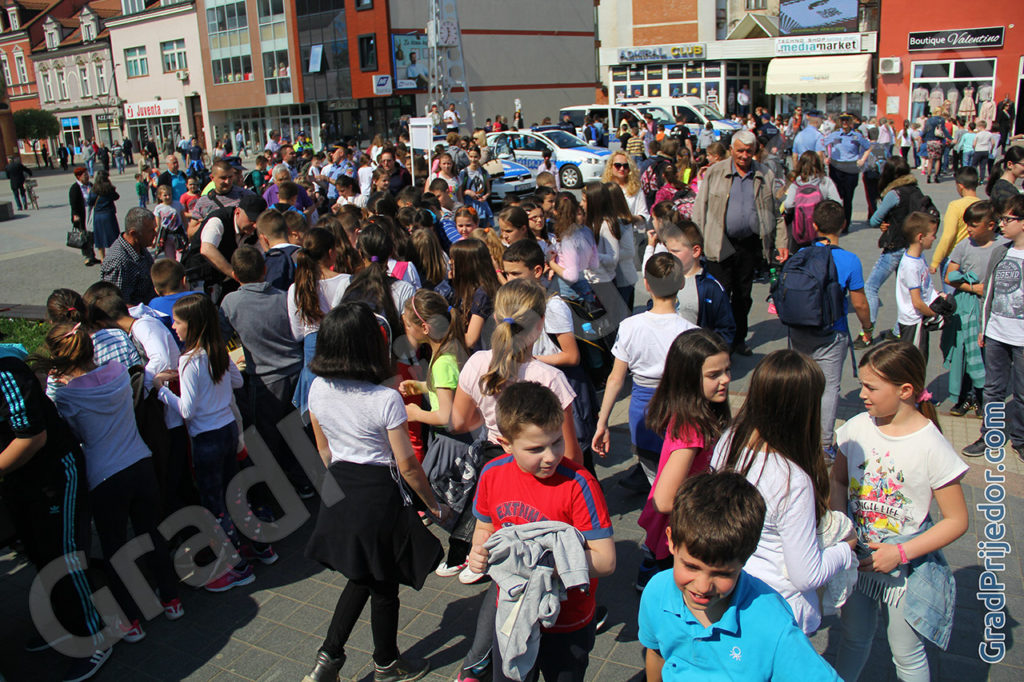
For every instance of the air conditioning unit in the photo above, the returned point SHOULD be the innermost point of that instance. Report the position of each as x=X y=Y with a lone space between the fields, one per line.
x=181 y=75
x=890 y=66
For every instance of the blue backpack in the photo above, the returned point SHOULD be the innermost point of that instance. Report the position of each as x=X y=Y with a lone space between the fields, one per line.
x=808 y=293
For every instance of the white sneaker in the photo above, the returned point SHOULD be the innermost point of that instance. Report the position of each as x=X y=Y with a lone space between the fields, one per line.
x=469 y=577
x=446 y=571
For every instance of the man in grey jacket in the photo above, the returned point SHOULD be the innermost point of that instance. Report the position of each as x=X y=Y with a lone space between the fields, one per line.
x=737 y=212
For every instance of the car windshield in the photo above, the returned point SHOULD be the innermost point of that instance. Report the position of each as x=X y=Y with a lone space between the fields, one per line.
x=659 y=114
x=563 y=139
x=708 y=111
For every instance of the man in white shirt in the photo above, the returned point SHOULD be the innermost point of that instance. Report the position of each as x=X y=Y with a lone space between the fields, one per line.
x=452 y=119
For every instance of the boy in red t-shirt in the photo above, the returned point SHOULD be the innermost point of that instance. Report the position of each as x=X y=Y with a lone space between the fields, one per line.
x=533 y=483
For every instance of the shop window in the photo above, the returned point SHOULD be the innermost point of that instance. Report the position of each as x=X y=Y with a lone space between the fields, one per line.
x=958 y=87
x=619 y=74
x=135 y=62
x=981 y=68
x=636 y=72
x=931 y=70
x=172 y=55
x=693 y=71
x=368 y=52
x=276 y=73
x=232 y=70
x=654 y=72
x=675 y=71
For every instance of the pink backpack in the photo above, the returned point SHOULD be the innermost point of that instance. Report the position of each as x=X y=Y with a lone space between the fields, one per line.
x=807 y=197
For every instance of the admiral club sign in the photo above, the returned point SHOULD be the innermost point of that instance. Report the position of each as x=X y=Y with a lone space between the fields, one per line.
x=959 y=39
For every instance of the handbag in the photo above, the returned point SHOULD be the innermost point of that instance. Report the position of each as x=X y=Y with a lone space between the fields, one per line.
x=79 y=239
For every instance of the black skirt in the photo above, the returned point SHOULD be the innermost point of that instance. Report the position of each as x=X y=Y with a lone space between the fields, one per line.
x=369 y=534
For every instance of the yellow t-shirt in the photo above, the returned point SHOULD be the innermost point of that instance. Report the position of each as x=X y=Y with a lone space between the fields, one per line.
x=954 y=229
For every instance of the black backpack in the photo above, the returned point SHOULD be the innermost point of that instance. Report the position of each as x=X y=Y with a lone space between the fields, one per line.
x=808 y=294
x=911 y=199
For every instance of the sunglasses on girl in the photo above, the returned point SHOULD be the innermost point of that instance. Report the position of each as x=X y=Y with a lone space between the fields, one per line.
x=620 y=166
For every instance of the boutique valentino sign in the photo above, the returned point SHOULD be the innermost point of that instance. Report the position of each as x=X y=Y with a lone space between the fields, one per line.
x=959 y=39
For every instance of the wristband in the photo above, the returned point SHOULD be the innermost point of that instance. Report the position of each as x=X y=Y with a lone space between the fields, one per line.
x=903 y=555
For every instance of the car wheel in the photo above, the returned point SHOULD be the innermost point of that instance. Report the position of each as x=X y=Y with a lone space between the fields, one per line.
x=571 y=177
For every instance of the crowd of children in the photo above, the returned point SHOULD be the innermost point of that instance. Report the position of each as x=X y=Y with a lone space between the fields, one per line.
x=446 y=362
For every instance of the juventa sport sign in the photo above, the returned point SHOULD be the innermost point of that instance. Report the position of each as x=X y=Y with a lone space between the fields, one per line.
x=959 y=39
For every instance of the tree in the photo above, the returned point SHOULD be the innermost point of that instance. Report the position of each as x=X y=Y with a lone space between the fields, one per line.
x=34 y=124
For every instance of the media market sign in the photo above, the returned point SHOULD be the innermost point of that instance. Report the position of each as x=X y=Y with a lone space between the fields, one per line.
x=663 y=53
x=959 y=39
x=810 y=46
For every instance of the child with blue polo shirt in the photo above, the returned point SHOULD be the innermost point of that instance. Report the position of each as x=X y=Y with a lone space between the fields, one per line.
x=707 y=619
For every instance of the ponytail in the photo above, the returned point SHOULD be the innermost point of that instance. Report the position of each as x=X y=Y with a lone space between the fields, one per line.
x=444 y=325
x=901 y=363
x=372 y=284
x=65 y=305
x=518 y=307
x=316 y=246
x=68 y=347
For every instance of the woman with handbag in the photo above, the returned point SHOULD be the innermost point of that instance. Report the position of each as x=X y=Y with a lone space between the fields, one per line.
x=79 y=237
x=104 y=214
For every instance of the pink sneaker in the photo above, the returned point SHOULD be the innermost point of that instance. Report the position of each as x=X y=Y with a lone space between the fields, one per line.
x=131 y=632
x=173 y=609
x=233 y=578
x=771 y=308
x=266 y=557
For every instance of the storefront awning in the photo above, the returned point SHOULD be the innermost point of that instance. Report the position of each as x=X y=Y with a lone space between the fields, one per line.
x=810 y=75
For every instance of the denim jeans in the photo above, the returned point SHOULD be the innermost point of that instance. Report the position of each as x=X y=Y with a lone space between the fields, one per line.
x=213 y=458
x=884 y=266
x=1004 y=371
x=860 y=619
x=830 y=353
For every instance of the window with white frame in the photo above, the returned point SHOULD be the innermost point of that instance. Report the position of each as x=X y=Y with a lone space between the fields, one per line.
x=88 y=31
x=19 y=64
x=232 y=69
x=12 y=14
x=101 y=80
x=172 y=55
x=83 y=78
x=132 y=6
x=52 y=37
x=6 y=67
x=135 y=62
x=47 y=88
x=276 y=73
x=62 y=85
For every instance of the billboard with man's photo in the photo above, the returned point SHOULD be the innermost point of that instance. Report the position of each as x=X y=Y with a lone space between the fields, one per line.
x=409 y=54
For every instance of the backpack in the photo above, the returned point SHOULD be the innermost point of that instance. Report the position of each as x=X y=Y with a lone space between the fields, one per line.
x=652 y=179
x=808 y=293
x=807 y=197
x=911 y=199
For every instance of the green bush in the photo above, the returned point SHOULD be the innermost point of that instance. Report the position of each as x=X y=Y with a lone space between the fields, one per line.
x=28 y=333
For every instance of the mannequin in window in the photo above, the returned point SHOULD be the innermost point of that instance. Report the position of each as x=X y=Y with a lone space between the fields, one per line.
x=967 y=109
x=919 y=99
x=935 y=97
x=986 y=106
x=953 y=95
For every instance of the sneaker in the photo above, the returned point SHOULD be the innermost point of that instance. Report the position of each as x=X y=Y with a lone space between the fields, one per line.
x=233 y=578
x=84 y=668
x=600 y=618
x=446 y=571
x=326 y=668
x=173 y=609
x=963 y=407
x=266 y=557
x=468 y=577
x=975 y=449
x=402 y=670
x=860 y=343
x=131 y=632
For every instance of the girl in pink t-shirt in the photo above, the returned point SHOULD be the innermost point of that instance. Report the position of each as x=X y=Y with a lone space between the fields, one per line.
x=691 y=407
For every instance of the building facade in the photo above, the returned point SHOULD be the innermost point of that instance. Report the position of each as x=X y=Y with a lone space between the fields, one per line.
x=738 y=54
x=75 y=75
x=20 y=28
x=966 y=62
x=160 y=72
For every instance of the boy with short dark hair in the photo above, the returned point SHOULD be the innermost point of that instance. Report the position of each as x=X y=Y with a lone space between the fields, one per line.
x=279 y=253
x=707 y=616
x=168 y=277
x=287 y=196
x=915 y=294
x=533 y=483
x=448 y=234
x=298 y=226
x=258 y=312
x=830 y=347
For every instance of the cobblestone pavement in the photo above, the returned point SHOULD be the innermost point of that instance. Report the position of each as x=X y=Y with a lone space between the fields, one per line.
x=271 y=629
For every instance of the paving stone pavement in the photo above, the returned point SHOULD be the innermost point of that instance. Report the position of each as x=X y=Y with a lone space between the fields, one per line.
x=271 y=629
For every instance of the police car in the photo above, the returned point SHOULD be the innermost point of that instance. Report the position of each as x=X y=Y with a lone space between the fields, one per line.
x=576 y=162
x=693 y=111
x=515 y=180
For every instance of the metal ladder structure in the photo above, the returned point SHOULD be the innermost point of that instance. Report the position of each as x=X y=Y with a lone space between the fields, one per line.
x=448 y=79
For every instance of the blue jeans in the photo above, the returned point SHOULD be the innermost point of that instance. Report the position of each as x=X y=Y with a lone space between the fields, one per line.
x=860 y=619
x=830 y=352
x=884 y=266
x=1004 y=373
x=213 y=458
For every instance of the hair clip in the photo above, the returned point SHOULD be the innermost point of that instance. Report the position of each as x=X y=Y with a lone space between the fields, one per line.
x=74 y=330
x=72 y=309
x=510 y=320
x=374 y=259
x=923 y=396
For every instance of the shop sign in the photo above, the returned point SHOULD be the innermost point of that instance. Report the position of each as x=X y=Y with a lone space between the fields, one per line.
x=160 y=107
x=70 y=122
x=959 y=39
x=342 y=104
x=809 y=46
x=817 y=16
x=663 y=53
x=105 y=118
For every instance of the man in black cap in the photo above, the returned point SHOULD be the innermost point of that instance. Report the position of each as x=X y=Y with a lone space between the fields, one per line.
x=207 y=260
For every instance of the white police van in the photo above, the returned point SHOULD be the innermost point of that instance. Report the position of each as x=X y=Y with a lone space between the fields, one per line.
x=613 y=115
x=576 y=162
x=693 y=111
